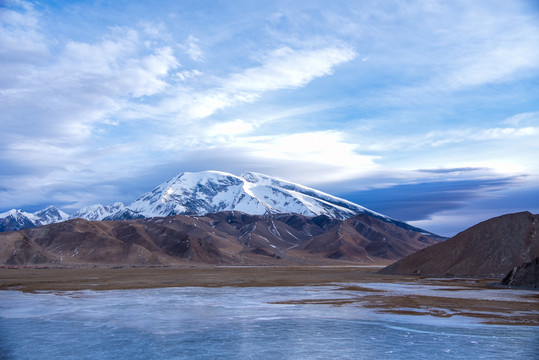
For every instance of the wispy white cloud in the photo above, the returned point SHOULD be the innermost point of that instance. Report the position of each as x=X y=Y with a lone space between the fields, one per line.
x=440 y=138
x=188 y=74
x=497 y=62
x=523 y=119
x=283 y=68
x=499 y=47
x=287 y=68
x=84 y=84
x=117 y=66
x=21 y=38
x=435 y=50
x=192 y=48
x=504 y=133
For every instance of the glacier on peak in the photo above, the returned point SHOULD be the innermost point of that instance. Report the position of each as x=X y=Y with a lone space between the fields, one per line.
x=253 y=193
x=201 y=193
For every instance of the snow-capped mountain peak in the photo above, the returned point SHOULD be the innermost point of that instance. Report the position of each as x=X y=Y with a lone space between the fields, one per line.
x=50 y=215
x=16 y=214
x=253 y=193
x=191 y=193
x=18 y=219
x=200 y=193
x=98 y=212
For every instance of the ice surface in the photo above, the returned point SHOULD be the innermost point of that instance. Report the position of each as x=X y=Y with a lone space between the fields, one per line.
x=462 y=293
x=238 y=323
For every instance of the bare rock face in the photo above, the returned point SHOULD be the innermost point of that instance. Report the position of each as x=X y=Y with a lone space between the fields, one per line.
x=489 y=249
x=524 y=276
x=218 y=238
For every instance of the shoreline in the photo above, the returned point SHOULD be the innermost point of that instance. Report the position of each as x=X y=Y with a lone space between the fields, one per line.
x=354 y=280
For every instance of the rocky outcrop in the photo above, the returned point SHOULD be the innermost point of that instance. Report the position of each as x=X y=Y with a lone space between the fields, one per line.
x=524 y=276
x=489 y=249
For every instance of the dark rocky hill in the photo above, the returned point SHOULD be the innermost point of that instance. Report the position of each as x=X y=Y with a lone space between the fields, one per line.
x=489 y=249
x=524 y=276
x=231 y=238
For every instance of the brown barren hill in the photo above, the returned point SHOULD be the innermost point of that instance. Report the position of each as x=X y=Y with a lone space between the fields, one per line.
x=489 y=249
x=362 y=237
x=225 y=238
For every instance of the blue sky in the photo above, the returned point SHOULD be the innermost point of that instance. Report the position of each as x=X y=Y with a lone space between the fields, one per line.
x=427 y=111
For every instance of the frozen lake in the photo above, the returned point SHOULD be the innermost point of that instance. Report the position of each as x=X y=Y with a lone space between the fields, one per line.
x=241 y=323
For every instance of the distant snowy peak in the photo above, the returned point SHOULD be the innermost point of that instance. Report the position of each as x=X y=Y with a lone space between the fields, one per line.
x=115 y=212
x=17 y=219
x=253 y=193
x=50 y=215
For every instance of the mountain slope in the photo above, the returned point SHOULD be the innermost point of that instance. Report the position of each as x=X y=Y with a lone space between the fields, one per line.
x=217 y=238
x=252 y=193
x=489 y=249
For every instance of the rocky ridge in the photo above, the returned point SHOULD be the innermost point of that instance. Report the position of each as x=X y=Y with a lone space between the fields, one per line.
x=226 y=238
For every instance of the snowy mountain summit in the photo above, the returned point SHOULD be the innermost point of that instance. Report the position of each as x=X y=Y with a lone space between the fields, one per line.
x=207 y=192
x=98 y=212
x=213 y=191
x=18 y=219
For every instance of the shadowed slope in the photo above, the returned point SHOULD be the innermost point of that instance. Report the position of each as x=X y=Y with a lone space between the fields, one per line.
x=364 y=237
x=491 y=249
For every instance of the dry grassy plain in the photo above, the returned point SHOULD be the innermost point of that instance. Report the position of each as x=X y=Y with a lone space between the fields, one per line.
x=102 y=278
